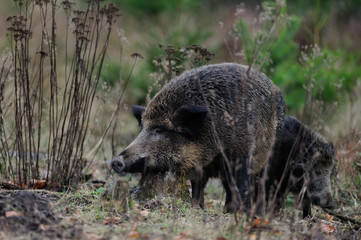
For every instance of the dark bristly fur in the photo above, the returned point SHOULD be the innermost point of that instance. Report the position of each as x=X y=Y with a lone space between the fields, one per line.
x=301 y=160
x=212 y=121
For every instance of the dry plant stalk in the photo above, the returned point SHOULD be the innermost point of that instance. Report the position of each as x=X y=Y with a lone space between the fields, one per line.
x=173 y=62
x=255 y=51
x=58 y=119
x=6 y=68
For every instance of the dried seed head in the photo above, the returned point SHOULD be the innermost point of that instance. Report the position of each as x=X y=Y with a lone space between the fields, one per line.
x=137 y=55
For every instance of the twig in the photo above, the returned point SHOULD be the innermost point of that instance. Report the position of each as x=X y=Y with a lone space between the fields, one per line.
x=39 y=191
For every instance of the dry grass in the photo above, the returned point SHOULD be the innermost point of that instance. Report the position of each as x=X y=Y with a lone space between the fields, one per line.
x=86 y=215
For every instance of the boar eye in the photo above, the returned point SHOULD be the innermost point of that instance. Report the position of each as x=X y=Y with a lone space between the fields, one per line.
x=157 y=130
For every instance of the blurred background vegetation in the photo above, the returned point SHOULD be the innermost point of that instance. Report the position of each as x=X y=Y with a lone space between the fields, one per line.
x=333 y=25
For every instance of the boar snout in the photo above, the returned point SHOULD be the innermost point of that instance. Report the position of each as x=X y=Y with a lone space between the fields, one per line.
x=118 y=164
x=330 y=203
x=323 y=200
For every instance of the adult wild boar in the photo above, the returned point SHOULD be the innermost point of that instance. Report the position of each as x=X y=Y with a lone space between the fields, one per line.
x=301 y=163
x=214 y=121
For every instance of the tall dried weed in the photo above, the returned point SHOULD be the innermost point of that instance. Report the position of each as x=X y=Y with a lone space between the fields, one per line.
x=50 y=128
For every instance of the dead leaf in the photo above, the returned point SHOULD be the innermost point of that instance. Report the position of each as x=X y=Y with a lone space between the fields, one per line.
x=12 y=214
x=93 y=236
x=109 y=220
x=265 y=222
x=327 y=228
x=259 y=222
x=252 y=236
x=24 y=186
x=67 y=210
x=256 y=222
x=133 y=234
x=329 y=217
x=183 y=235
x=144 y=213
x=44 y=227
x=39 y=184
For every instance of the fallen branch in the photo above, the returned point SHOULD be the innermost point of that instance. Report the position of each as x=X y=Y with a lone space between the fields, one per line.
x=344 y=218
x=10 y=186
x=38 y=191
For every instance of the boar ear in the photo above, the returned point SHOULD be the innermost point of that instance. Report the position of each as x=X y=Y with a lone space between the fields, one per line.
x=327 y=152
x=137 y=112
x=292 y=124
x=190 y=118
x=330 y=153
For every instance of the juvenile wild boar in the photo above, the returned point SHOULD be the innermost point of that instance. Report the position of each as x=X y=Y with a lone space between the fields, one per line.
x=301 y=163
x=214 y=121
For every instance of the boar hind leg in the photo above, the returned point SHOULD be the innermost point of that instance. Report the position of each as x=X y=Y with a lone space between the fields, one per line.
x=236 y=189
x=232 y=198
x=198 y=192
x=306 y=207
x=242 y=180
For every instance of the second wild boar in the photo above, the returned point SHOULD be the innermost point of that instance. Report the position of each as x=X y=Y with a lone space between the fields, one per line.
x=301 y=163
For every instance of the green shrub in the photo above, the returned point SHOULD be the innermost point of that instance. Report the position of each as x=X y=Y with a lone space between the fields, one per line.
x=334 y=70
x=110 y=74
x=178 y=37
x=296 y=70
x=155 y=7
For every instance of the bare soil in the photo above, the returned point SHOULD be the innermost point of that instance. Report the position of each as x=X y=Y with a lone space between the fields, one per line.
x=30 y=214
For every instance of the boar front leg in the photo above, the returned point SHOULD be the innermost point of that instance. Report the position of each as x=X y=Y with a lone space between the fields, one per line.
x=237 y=187
x=232 y=198
x=198 y=186
x=306 y=207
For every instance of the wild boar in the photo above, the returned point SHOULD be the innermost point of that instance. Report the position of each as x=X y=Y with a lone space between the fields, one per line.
x=214 y=121
x=301 y=163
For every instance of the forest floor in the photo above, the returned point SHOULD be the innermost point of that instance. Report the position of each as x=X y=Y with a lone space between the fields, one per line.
x=88 y=214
